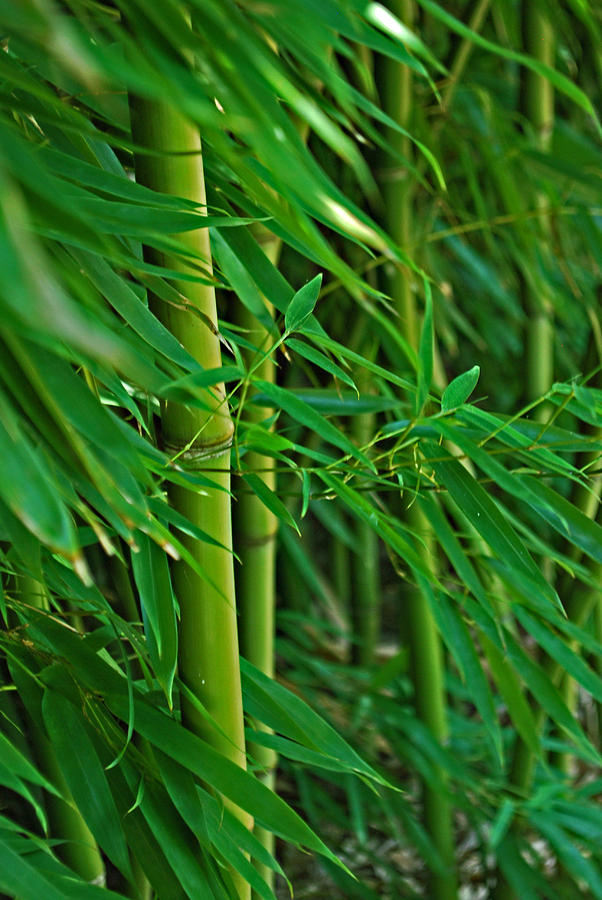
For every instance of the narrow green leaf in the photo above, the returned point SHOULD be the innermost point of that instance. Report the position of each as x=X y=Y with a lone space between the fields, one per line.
x=461 y=645
x=460 y=389
x=11 y=781
x=29 y=489
x=501 y=823
x=271 y=500
x=18 y=878
x=302 y=305
x=560 y=650
x=302 y=412
x=581 y=868
x=512 y=693
x=367 y=512
x=85 y=776
x=21 y=766
x=151 y=574
x=177 y=843
x=549 y=698
x=567 y=519
x=190 y=385
x=561 y=82
x=285 y=712
x=210 y=823
x=223 y=775
x=486 y=518
x=320 y=359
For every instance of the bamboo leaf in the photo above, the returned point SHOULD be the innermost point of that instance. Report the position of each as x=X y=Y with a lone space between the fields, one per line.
x=457 y=637
x=29 y=489
x=302 y=412
x=460 y=389
x=302 y=305
x=486 y=517
x=285 y=712
x=20 y=879
x=222 y=774
x=270 y=499
x=561 y=82
x=151 y=573
x=580 y=867
x=85 y=776
x=563 y=653
x=213 y=825
x=319 y=359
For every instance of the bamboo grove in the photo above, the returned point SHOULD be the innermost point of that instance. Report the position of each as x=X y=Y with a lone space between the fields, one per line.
x=300 y=430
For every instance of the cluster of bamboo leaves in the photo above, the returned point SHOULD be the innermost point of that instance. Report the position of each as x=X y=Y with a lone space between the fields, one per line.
x=403 y=230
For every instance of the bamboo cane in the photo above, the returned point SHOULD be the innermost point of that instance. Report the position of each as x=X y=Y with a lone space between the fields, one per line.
x=418 y=625
x=208 y=656
x=538 y=108
x=255 y=529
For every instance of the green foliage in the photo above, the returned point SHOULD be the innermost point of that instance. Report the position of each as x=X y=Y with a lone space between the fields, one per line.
x=91 y=698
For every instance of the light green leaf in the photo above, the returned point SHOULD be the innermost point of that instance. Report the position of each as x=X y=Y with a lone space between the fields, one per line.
x=461 y=645
x=223 y=775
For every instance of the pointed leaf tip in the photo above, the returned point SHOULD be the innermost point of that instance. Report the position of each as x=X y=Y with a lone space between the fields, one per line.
x=460 y=389
x=302 y=305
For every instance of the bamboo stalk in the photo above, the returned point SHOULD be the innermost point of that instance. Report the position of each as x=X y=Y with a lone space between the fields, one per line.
x=208 y=656
x=426 y=658
x=538 y=108
x=465 y=49
x=365 y=571
x=255 y=530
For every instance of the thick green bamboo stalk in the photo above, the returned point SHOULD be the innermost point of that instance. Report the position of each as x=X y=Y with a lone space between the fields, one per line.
x=395 y=84
x=208 y=656
x=419 y=627
x=80 y=850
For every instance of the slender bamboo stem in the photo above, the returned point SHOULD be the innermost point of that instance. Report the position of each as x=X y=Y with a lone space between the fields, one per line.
x=208 y=656
x=538 y=108
x=465 y=49
x=419 y=628
x=255 y=529
x=365 y=571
